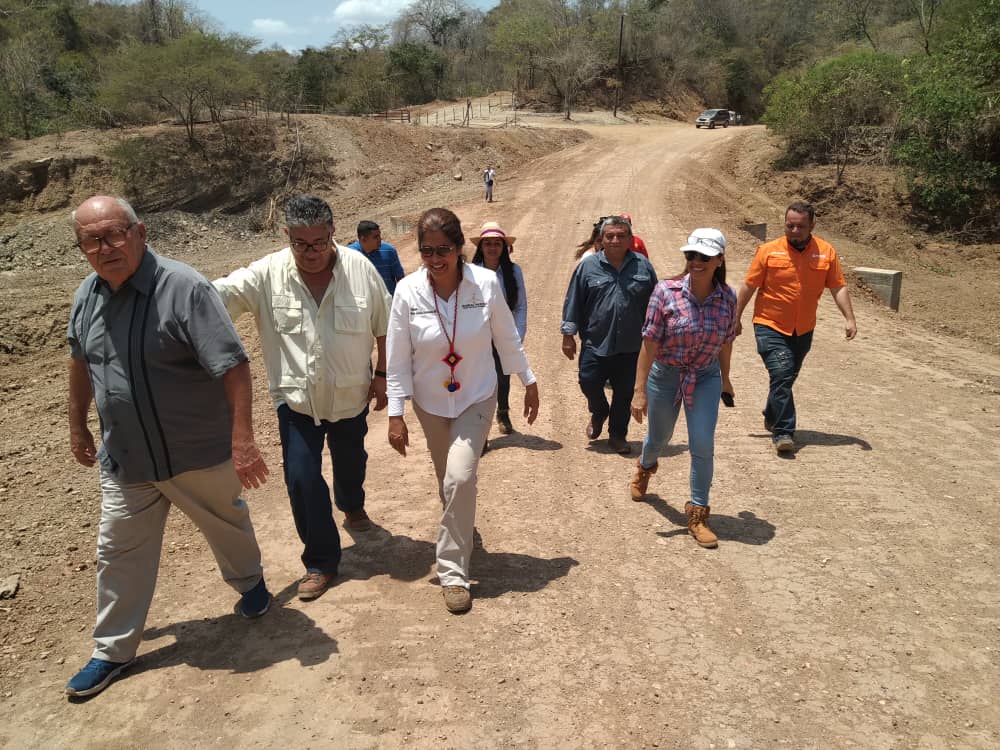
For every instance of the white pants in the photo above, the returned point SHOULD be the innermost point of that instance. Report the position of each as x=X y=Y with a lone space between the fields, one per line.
x=133 y=517
x=456 y=446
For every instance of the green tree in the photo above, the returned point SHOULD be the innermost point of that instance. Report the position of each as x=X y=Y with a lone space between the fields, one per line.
x=184 y=77
x=418 y=70
x=821 y=111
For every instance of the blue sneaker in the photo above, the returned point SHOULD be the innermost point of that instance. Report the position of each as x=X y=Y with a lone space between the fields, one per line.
x=255 y=602
x=96 y=676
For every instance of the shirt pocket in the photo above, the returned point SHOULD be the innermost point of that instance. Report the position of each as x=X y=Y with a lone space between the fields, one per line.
x=819 y=263
x=352 y=317
x=287 y=313
x=779 y=261
x=639 y=284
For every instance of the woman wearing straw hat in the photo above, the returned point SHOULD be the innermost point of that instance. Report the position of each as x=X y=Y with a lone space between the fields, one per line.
x=493 y=250
x=686 y=347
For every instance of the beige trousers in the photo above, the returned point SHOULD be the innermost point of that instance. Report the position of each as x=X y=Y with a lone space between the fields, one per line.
x=133 y=517
x=456 y=446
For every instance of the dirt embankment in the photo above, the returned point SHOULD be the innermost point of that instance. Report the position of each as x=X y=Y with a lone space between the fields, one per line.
x=224 y=194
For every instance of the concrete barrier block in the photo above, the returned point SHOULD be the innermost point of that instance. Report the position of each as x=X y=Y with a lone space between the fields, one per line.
x=400 y=225
x=886 y=284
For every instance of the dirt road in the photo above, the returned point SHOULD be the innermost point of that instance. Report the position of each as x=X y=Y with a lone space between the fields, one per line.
x=853 y=600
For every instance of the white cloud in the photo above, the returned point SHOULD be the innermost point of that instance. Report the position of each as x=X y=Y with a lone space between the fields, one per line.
x=374 y=12
x=272 y=27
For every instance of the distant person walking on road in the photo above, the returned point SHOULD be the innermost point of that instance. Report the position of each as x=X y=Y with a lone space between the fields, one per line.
x=686 y=347
x=151 y=343
x=382 y=255
x=445 y=320
x=320 y=310
x=789 y=275
x=489 y=177
x=606 y=306
x=493 y=249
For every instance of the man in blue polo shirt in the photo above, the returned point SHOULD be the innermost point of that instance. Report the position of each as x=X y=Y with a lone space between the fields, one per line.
x=382 y=255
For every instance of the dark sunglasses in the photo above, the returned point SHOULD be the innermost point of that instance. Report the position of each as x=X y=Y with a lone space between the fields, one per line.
x=693 y=254
x=442 y=251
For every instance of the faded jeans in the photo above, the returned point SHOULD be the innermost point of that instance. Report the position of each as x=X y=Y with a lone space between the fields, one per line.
x=783 y=356
x=661 y=390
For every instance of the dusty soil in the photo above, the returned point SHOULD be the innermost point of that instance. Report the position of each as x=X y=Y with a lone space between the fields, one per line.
x=853 y=601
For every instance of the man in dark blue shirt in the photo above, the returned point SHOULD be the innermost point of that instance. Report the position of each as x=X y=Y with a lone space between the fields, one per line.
x=382 y=255
x=606 y=305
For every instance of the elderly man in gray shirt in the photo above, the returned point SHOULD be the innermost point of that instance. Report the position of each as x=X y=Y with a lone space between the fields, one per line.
x=152 y=344
x=606 y=306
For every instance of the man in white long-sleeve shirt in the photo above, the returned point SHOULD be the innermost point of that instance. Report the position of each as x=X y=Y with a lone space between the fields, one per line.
x=320 y=308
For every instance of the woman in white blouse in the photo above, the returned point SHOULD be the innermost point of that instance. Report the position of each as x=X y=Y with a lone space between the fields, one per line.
x=493 y=249
x=445 y=320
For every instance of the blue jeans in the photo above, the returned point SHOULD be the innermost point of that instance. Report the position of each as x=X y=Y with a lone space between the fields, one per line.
x=619 y=370
x=783 y=357
x=661 y=390
x=302 y=451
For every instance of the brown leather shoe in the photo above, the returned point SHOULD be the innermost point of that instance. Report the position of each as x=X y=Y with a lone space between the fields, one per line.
x=357 y=520
x=619 y=445
x=457 y=598
x=313 y=585
x=697 y=516
x=594 y=428
x=640 y=480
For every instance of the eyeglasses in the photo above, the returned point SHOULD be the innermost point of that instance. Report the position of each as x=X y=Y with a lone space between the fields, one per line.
x=694 y=255
x=300 y=246
x=113 y=238
x=441 y=251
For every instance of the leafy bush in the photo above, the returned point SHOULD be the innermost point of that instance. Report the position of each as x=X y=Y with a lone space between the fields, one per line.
x=820 y=110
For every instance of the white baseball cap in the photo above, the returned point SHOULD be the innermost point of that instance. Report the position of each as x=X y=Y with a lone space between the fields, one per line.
x=706 y=241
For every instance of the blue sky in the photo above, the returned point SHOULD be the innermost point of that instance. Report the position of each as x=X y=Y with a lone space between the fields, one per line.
x=295 y=24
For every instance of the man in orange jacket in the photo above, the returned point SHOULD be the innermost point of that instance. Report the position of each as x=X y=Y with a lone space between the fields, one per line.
x=790 y=274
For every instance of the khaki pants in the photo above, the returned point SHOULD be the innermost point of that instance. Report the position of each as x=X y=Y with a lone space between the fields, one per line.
x=455 y=446
x=133 y=517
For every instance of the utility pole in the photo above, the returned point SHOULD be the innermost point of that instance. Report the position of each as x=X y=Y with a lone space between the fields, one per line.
x=621 y=74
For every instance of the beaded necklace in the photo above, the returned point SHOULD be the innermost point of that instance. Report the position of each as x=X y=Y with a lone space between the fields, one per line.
x=452 y=358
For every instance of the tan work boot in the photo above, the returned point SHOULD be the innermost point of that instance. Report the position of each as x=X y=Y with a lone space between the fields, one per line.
x=457 y=599
x=640 y=480
x=698 y=525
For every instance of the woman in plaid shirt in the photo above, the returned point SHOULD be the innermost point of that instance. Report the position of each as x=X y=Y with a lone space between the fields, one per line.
x=686 y=347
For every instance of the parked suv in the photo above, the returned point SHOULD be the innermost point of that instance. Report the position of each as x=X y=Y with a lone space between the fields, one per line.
x=712 y=117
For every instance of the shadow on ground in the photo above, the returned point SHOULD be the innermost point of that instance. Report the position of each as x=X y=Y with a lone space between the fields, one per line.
x=530 y=442
x=240 y=646
x=744 y=527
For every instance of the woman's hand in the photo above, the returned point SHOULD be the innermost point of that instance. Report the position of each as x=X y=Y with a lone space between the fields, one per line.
x=639 y=405
x=399 y=437
x=531 y=402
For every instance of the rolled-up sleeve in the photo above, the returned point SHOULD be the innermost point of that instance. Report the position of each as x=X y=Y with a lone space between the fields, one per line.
x=241 y=290
x=571 y=305
x=380 y=302
x=399 y=355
